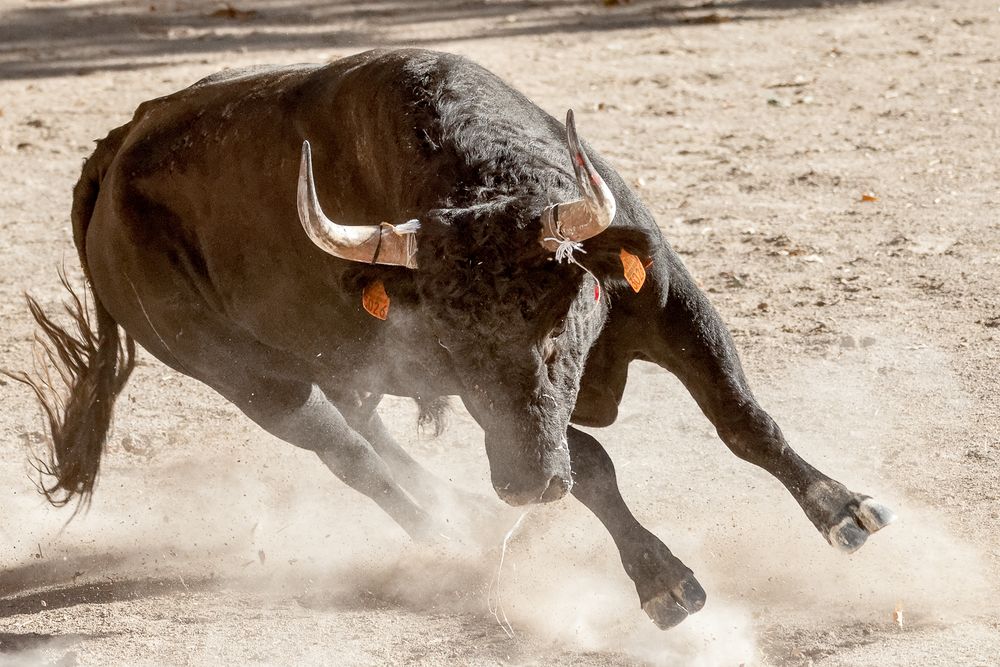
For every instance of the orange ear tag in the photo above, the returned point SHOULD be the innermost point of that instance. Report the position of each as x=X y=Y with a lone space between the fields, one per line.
x=375 y=300
x=635 y=272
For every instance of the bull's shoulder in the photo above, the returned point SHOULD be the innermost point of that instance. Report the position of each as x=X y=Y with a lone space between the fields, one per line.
x=233 y=75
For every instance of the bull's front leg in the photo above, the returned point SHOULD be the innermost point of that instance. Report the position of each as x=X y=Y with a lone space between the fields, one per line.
x=667 y=589
x=687 y=337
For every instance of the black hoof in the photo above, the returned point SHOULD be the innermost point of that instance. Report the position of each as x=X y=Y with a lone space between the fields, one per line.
x=670 y=608
x=874 y=516
x=850 y=534
x=665 y=611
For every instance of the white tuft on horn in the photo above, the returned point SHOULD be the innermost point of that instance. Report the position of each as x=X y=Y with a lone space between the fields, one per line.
x=583 y=218
x=372 y=244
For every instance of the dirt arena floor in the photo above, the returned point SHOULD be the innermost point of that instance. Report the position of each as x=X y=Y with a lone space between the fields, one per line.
x=829 y=173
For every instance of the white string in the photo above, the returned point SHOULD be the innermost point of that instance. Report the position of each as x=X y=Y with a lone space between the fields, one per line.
x=495 y=604
x=564 y=253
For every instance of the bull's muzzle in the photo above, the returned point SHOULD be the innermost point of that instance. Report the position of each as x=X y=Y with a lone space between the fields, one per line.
x=555 y=489
x=519 y=484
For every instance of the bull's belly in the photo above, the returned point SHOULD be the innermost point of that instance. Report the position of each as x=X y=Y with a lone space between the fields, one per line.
x=395 y=374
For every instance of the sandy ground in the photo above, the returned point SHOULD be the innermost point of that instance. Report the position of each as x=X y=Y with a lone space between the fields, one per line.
x=752 y=130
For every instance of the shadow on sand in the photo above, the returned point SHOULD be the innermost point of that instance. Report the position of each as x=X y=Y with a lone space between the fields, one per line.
x=53 y=39
x=55 y=584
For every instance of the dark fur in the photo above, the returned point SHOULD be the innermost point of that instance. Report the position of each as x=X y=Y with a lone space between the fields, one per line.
x=433 y=413
x=488 y=258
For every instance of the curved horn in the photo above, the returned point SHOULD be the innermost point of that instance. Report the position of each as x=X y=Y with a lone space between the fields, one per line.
x=375 y=244
x=582 y=218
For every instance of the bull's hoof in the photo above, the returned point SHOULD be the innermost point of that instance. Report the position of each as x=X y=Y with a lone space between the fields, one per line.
x=670 y=608
x=874 y=516
x=854 y=529
x=665 y=611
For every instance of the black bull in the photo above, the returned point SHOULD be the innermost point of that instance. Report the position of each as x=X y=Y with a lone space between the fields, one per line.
x=185 y=221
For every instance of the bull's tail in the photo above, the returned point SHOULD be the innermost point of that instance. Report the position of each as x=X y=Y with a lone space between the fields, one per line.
x=79 y=372
x=91 y=368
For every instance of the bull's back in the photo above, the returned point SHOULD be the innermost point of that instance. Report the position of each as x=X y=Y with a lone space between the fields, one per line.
x=196 y=201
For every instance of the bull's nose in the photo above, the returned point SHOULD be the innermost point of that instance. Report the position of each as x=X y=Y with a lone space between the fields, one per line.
x=556 y=488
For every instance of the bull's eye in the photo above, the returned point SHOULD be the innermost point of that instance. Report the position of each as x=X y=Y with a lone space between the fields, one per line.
x=558 y=328
x=550 y=348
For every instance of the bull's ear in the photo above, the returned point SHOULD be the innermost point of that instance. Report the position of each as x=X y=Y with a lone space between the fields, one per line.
x=603 y=256
x=397 y=282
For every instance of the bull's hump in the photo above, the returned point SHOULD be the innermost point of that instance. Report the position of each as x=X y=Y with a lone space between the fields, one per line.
x=235 y=74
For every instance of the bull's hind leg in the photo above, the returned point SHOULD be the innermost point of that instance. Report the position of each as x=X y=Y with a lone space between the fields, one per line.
x=667 y=589
x=692 y=342
x=264 y=384
x=465 y=514
x=159 y=293
x=300 y=414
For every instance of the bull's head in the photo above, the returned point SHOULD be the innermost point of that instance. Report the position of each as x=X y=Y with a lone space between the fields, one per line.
x=514 y=324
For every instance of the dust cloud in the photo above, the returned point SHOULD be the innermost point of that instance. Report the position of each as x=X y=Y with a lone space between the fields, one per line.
x=279 y=524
